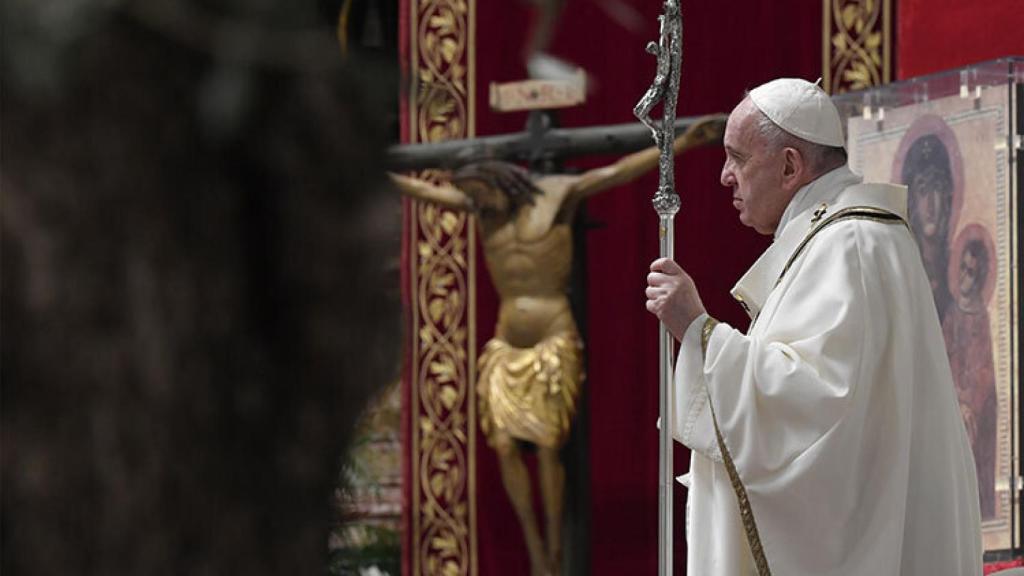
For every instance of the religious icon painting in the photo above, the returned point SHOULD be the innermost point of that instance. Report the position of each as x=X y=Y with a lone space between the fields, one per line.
x=950 y=138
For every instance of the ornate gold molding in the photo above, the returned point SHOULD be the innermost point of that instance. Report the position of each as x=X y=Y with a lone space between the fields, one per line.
x=856 y=43
x=442 y=259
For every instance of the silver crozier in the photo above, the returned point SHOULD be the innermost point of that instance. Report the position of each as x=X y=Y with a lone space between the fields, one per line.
x=665 y=89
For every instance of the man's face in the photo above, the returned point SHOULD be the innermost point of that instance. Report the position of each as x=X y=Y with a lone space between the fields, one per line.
x=753 y=171
x=490 y=202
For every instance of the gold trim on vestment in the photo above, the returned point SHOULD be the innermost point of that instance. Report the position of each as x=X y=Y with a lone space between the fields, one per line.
x=851 y=213
x=746 y=512
x=705 y=334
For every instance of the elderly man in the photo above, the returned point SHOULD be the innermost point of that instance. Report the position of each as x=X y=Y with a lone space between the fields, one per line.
x=827 y=439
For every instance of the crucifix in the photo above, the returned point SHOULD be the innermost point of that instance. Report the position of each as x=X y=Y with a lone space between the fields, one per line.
x=531 y=372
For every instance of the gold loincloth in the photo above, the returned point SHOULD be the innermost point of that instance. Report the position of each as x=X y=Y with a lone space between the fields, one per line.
x=530 y=393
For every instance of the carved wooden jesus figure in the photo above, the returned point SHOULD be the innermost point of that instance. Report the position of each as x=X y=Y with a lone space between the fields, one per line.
x=531 y=371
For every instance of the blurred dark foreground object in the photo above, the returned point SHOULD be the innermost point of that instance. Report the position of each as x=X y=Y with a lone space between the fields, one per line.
x=196 y=301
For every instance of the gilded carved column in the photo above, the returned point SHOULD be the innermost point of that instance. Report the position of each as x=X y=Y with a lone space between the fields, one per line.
x=441 y=260
x=857 y=44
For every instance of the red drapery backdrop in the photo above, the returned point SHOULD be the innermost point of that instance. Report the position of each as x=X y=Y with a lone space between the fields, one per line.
x=934 y=35
x=727 y=49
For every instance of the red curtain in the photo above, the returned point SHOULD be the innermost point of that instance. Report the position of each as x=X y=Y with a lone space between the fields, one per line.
x=728 y=48
x=934 y=35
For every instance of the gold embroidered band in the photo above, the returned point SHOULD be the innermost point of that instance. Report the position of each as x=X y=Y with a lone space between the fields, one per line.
x=851 y=213
x=705 y=335
x=746 y=512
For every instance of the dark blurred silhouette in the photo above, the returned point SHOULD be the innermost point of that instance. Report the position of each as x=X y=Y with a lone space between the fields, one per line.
x=198 y=285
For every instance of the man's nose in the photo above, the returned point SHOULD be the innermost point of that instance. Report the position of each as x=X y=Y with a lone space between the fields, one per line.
x=727 y=179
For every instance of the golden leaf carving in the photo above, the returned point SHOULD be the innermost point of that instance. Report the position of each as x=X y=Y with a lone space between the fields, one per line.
x=443 y=370
x=448 y=397
x=429 y=214
x=449 y=221
x=444 y=22
x=455 y=127
x=849 y=15
x=436 y=309
x=839 y=42
x=437 y=484
x=426 y=251
x=441 y=107
x=434 y=106
x=858 y=76
x=858 y=51
x=430 y=43
x=441 y=283
x=448 y=49
x=453 y=308
x=443 y=458
x=445 y=543
x=437 y=134
x=442 y=531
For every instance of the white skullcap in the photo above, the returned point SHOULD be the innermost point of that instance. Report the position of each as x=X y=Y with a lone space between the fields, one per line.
x=800 y=108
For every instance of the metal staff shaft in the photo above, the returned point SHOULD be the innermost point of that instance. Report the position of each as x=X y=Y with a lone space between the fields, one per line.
x=665 y=89
x=665 y=406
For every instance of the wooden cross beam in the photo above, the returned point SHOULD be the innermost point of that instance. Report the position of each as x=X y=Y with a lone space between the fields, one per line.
x=554 y=143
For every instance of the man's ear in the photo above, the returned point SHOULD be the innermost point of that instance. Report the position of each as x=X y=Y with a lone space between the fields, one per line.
x=793 y=166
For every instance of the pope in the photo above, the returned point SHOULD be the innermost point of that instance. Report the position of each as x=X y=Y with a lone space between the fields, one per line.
x=826 y=439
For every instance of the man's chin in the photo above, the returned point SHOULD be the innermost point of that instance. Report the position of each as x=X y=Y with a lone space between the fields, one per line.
x=746 y=222
x=760 y=229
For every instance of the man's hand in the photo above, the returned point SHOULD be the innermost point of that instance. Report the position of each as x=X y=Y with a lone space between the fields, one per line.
x=672 y=296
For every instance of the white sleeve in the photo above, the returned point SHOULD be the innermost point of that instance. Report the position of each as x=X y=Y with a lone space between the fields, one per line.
x=694 y=426
x=777 y=392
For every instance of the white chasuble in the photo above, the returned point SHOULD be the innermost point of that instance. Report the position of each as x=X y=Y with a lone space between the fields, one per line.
x=828 y=440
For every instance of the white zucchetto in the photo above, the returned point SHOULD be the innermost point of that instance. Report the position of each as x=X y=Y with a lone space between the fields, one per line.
x=800 y=108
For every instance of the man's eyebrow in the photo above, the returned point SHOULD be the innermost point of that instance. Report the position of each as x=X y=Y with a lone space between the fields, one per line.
x=734 y=152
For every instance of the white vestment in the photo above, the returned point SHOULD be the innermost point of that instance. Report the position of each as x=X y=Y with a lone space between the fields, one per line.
x=837 y=408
